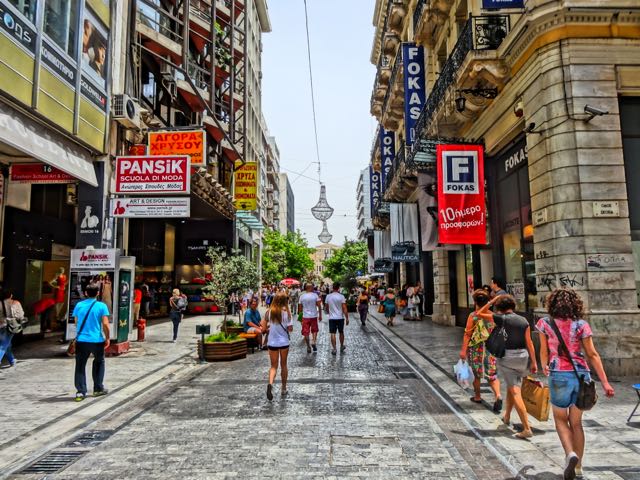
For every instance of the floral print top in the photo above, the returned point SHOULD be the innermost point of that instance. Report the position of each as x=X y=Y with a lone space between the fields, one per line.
x=572 y=331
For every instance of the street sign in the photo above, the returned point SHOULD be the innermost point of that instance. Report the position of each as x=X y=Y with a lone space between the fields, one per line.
x=151 y=207
x=153 y=174
x=38 y=173
x=185 y=142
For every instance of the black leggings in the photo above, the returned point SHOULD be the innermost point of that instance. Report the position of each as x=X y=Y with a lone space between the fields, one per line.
x=363 y=313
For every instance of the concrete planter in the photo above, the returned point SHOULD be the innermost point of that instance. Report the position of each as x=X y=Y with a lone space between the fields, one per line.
x=223 y=351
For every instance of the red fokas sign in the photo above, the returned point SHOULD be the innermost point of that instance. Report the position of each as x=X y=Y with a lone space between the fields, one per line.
x=153 y=174
x=38 y=173
x=461 y=205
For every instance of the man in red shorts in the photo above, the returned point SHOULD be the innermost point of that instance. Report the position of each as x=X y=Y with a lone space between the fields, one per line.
x=311 y=307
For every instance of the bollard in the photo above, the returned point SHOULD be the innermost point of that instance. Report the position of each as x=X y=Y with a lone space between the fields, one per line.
x=142 y=325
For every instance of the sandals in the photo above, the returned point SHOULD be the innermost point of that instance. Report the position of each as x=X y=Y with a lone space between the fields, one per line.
x=476 y=400
x=497 y=405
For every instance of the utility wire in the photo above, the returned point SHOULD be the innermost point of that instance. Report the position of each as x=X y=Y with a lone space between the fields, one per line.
x=313 y=101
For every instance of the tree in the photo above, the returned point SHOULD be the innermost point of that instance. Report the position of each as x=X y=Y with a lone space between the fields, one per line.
x=285 y=256
x=347 y=262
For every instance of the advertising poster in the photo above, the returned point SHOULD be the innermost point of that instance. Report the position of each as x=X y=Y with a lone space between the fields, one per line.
x=148 y=174
x=245 y=186
x=404 y=232
x=186 y=142
x=124 y=305
x=382 y=252
x=151 y=207
x=428 y=209
x=90 y=211
x=387 y=153
x=415 y=95
x=375 y=188
x=461 y=202
x=95 y=49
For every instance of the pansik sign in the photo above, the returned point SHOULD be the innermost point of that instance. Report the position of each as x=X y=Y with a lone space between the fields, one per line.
x=185 y=142
x=387 y=153
x=147 y=174
x=245 y=187
x=414 y=87
x=94 y=259
x=374 y=188
x=38 y=173
x=461 y=204
x=146 y=207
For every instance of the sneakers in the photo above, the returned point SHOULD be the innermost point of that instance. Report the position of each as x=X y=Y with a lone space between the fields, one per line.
x=284 y=393
x=579 y=474
x=342 y=348
x=13 y=364
x=80 y=396
x=315 y=349
x=270 y=392
x=333 y=352
x=100 y=393
x=570 y=466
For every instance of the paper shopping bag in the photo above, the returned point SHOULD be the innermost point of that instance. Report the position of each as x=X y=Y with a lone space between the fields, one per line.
x=536 y=398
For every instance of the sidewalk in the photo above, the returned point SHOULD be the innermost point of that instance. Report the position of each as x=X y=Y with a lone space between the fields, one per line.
x=38 y=393
x=613 y=446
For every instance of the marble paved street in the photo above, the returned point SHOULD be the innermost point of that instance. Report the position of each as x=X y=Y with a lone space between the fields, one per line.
x=357 y=414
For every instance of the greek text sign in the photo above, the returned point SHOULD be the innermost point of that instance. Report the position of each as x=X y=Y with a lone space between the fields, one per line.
x=94 y=259
x=461 y=204
x=38 y=173
x=374 y=188
x=387 y=153
x=245 y=188
x=414 y=87
x=148 y=174
x=147 y=207
x=189 y=142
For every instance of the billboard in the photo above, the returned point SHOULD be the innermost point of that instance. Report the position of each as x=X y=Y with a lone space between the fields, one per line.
x=184 y=142
x=148 y=174
x=415 y=94
x=387 y=153
x=461 y=202
x=151 y=207
x=246 y=186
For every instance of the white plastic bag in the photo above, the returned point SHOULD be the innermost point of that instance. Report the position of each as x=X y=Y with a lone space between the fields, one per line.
x=463 y=372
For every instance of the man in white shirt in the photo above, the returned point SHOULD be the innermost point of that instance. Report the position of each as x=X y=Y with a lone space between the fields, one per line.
x=337 y=316
x=311 y=306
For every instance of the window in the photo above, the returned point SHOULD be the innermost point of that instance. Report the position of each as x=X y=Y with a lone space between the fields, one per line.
x=27 y=8
x=61 y=22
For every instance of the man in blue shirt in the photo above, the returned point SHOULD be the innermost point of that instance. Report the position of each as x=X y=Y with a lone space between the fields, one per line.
x=92 y=337
x=251 y=322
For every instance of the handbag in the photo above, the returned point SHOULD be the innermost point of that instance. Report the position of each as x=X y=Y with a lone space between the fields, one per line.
x=71 y=349
x=536 y=397
x=381 y=308
x=587 y=395
x=497 y=341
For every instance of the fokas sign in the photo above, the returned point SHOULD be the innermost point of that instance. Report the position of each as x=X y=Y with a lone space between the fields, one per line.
x=153 y=174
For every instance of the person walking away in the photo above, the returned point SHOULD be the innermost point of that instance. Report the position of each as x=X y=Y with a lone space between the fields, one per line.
x=498 y=286
x=389 y=302
x=178 y=304
x=518 y=354
x=10 y=309
x=311 y=306
x=278 y=322
x=566 y=310
x=295 y=297
x=363 y=306
x=419 y=293
x=338 y=315
x=252 y=322
x=403 y=302
x=146 y=300
x=91 y=317
x=474 y=351
x=412 y=304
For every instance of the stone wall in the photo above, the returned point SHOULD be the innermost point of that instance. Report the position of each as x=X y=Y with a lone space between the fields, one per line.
x=441 y=305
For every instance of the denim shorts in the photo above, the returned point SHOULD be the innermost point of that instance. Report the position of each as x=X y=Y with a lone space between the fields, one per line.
x=563 y=387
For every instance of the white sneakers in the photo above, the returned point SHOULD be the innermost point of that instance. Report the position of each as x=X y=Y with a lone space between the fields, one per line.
x=570 y=466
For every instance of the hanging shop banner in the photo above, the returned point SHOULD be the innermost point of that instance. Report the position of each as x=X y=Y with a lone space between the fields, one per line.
x=184 y=142
x=148 y=174
x=375 y=187
x=414 y=87
x=147 y=207
x=246 y=186
x=91 y=214
x=38 y=173
x=495 y=4
x=382 y=251
x=428 y=209
x=461 y=203
x=404 y=232
x=387 y=153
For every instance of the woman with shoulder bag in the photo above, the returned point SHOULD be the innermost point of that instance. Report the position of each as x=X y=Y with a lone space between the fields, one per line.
x=176 y=302
x=10 y=309
x=279 y=323
x=565 y=345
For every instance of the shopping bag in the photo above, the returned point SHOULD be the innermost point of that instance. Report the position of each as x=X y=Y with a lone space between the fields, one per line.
x=536 y=398
x=463 y=372
x=381 y=308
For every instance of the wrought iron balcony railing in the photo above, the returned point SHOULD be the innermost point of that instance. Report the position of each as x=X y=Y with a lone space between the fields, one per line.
x=398 y=162
x=417 y=13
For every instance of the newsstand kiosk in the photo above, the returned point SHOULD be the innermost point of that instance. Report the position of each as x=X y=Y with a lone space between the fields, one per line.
x=114 y=274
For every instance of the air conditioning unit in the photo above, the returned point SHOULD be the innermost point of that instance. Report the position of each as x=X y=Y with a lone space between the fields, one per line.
x=126 y=111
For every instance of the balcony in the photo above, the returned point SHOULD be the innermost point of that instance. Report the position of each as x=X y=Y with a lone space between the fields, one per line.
x=395 y=16
x=380 y=86
x=429 y=15
x=393 y=104
x=401 y=180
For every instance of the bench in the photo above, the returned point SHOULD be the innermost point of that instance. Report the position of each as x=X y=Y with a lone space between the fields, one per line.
x=252 y=340
x=636 y=387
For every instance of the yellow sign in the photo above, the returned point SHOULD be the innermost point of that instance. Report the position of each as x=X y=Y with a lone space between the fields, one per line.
x=246 y=186
x=184 y=142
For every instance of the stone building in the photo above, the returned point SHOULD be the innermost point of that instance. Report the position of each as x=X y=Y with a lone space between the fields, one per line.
x=322 y=252
x=551 y=90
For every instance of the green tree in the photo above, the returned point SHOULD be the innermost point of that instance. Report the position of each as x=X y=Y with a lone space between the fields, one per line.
x=347 y=262
x=285 y=256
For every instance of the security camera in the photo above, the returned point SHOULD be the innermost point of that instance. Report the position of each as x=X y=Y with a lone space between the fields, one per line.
x=594 y=111
x=519 y=109
x=530 y=128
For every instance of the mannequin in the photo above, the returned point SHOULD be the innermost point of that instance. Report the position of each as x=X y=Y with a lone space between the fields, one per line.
x=59 y=283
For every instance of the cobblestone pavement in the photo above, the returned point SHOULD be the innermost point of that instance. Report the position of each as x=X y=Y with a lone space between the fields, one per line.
x=357 y=414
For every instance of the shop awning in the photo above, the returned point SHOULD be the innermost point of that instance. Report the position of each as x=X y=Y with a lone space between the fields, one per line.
x=46 y=145
x=249 y=220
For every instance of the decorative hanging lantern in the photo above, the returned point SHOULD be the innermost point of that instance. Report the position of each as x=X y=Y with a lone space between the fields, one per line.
x=325 y=236
x=322 y=211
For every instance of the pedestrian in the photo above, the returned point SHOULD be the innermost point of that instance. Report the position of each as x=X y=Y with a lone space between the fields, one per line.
x=146 y=300
x=10 y=309
x=419 y=293
x=278 y=322
x=294 y=297
x=498 y=286
x=263 y=295
x=269 y=298
x=563 y=364
x=137 y=302
x=518 y=355
x=178 y=304
x=338 y=316
x=91 y=317
x=473 y=349
x=389 y=302
x=412 y=304
x=311 y=306
x=252 y=322
x=363 y=306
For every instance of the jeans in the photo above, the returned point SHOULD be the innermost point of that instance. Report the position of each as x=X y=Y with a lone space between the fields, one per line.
x=5 y=346
x=83 y=351
x=175 y=317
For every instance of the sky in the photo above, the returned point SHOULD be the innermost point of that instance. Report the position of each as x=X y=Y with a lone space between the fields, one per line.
x=341 y=34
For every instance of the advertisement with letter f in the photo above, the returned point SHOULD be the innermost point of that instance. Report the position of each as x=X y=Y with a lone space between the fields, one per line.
x=461 y=204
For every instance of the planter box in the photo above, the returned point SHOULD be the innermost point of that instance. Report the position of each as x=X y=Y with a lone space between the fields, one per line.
x=223 y=351
x=231 y=330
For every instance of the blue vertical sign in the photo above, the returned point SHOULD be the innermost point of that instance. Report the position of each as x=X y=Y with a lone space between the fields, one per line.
x=493 y=4
x=387 y=153
x=415 y=95
x=374 y=188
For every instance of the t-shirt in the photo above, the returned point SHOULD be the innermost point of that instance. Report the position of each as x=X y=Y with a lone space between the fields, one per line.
x=516 y=327
x=335 y=301
x=137 y=296
x=309 y=301
x=278 y=333
x=252 y=316
x=572 y=331
x=92 y=329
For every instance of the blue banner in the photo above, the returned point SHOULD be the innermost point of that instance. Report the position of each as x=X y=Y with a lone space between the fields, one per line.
x=387 y=153
x=502 y=4
x=415 y=95
x=374 y=188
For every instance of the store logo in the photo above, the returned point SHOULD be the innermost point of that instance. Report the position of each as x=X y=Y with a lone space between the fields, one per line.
x=18 y=30
x=460 y=171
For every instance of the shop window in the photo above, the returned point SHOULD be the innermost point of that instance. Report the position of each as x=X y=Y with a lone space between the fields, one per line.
x=50 y=200
x=27 y=8
x=61 y=23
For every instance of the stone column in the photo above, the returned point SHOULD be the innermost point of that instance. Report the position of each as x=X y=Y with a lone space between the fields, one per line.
x=441 y=305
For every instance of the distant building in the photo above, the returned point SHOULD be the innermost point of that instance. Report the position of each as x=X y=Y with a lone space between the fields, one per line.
x=287 y=205
x=323 y=252
x=363 y=204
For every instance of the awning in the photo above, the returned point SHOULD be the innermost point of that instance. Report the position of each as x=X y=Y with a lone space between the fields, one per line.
x=46 y=145
x=249 y=220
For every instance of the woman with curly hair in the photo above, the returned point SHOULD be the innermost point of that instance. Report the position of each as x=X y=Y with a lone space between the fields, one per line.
x=565 y=309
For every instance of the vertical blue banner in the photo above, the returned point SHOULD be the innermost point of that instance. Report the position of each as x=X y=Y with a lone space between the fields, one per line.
x=387 y=153
x=414 y=87
x=374 y=188
x=494 y=4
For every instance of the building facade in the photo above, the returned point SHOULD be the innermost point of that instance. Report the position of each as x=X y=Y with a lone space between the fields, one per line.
x=363 y=205
x=322 y=253
x=287 y=206
x=556 y=120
